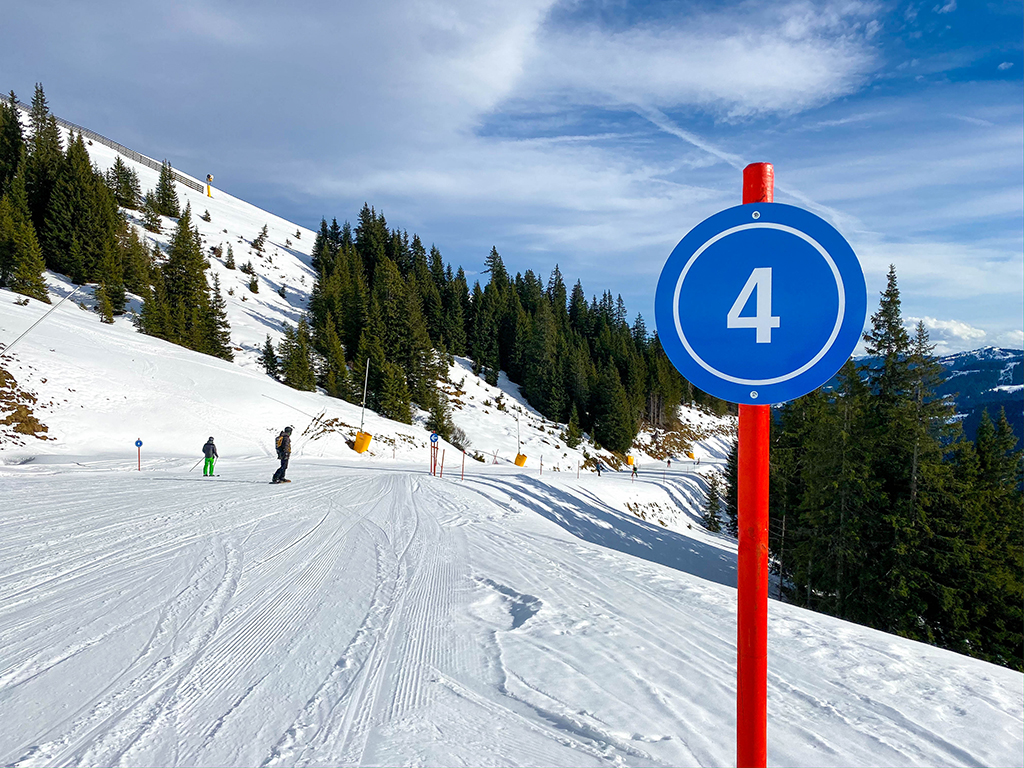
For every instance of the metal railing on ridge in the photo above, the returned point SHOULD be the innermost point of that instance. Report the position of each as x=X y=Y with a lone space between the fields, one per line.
x=131 y=154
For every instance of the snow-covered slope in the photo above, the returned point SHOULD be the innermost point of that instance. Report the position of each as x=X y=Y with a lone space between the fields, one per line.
x=284 y=262
x=370 y=613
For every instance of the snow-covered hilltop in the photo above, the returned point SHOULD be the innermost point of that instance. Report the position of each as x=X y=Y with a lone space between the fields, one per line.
x=371 y=613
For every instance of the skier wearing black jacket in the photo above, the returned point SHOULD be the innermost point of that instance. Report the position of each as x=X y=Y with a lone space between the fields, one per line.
x=210 y=452
x=284 y=451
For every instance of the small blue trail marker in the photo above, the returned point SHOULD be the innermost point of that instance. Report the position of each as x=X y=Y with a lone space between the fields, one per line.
x=433 y=437
x=761 y=303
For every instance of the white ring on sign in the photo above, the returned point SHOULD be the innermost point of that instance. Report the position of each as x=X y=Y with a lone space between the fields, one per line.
x=806 y=366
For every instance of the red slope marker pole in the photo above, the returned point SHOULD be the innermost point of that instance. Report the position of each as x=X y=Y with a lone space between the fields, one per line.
x=752 y=576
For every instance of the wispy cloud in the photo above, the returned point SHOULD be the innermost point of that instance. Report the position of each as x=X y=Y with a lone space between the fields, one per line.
x=947 y=8
x=734 y=64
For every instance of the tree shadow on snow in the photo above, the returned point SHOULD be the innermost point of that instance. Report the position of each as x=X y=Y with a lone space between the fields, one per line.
x=597 y=522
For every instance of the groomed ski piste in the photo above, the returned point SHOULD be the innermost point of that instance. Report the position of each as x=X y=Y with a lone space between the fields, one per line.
x=371 y=613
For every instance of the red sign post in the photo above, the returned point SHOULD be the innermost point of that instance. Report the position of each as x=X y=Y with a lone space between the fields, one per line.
x=788 y=254
x=752 y=582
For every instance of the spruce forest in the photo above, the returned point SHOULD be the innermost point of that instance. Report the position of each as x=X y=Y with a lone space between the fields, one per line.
x=882 y=512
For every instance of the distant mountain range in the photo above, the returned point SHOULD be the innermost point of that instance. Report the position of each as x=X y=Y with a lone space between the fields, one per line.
x=988 y=378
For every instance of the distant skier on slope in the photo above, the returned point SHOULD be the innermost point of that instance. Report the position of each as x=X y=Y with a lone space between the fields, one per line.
x=210 y=452
x=283 y=443
x=634 y=472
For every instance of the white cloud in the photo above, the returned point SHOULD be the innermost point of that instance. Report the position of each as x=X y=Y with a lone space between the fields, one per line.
x=1005 y=65
x=949 y=336
x=947 y=8
x=1010 y=339
x=949 y=329
x=743 y=63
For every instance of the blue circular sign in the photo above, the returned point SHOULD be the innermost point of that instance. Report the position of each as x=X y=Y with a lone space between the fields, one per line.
x=138 y=443
x=433 y=437
x=761 y=303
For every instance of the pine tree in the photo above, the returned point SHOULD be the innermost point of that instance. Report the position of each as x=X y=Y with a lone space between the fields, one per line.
x=12 y=143
x=322 y=256
x=394 y=398
x=150 y=215
x=136 y=260
x=45 y=157
x=82 y=208
x=123 y=181
x=296 y=358
x=155 y=315
x=229 y=262
x=573 y=434
x=259 y=242
x=165 y=198
x=21 y=260
x=732 y=503
x=217 y=330
x=268 y=359
x=712 y=516
x=440 y=417
x=334 y=375
x=994 y=526
x=418 y=358
x=612 y=424
x=104 y=306
x=68 y=213
x=370 y=237
x=188 y=292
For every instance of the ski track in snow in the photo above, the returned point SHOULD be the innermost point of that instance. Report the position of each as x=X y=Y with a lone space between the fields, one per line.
x=366 y=617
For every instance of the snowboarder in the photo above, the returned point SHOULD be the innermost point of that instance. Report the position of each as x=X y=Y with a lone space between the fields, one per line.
x=283 y=444
x=210 y=452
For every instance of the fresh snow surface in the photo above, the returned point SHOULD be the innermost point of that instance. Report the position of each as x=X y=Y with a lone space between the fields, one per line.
x=370 y=613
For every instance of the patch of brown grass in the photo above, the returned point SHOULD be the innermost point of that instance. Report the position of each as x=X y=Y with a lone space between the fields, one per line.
x=17 y=409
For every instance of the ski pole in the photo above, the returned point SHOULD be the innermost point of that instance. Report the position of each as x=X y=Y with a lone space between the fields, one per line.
x=197 y=464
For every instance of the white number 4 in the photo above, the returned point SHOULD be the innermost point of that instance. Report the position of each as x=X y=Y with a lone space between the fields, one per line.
x=763 y=321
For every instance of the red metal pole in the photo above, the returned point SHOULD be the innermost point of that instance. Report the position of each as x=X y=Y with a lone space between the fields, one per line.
x=752 y=575
x=140 y=459
x=463 y=464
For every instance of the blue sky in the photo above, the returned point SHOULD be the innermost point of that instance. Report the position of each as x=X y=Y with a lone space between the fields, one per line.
x=589 y=134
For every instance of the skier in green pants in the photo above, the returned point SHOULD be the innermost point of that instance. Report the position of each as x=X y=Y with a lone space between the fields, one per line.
x=210 y=452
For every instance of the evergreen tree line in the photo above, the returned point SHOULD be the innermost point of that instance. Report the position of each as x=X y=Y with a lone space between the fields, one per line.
x=58 y=212
x=882 y=513
x=383 y=297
